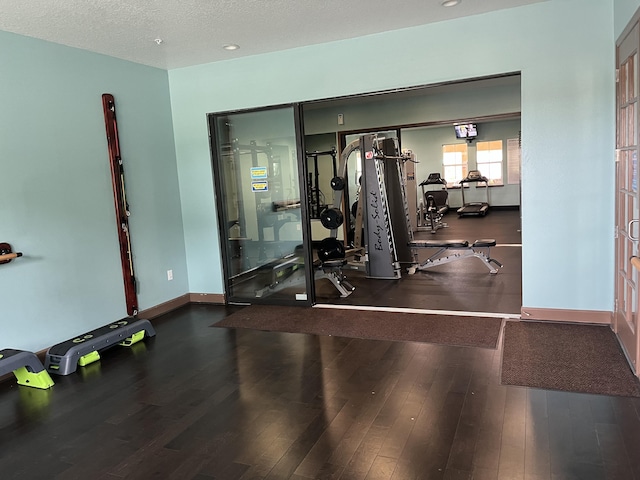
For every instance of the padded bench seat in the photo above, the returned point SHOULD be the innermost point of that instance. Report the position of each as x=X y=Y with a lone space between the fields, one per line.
x=484 y=243
x=457 y=249
x=439 y=244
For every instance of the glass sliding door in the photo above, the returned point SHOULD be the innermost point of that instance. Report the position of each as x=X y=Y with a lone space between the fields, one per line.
x=261 y=218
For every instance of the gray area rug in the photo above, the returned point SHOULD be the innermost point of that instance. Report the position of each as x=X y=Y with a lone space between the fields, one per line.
x=408 y=327
x=569 y=357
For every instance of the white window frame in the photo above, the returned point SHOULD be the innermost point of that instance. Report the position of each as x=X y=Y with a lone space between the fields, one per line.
x=490 y=161
x=455 y=163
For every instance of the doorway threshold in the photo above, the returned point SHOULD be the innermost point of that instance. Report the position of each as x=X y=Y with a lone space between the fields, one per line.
x=454 y=313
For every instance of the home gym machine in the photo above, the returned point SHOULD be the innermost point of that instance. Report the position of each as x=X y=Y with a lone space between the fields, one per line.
x=317 y=202
x=434 y=205
x=331 y=252
x=383 y=211
x=382 y=198
x=474 y=208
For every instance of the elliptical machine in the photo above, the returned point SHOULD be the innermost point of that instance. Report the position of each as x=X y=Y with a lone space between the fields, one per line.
x=435 y=204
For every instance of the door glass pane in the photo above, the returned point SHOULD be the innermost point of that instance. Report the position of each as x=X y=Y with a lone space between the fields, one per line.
x=633 y=139
x=257 y=165
x=624 y=127
x=623 y=84
x=633 y=321
x=633 y=77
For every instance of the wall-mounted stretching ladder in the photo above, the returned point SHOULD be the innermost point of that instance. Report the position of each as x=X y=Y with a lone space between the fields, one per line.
x=120 y=201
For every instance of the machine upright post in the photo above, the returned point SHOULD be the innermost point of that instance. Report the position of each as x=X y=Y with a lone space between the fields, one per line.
x=381 y=255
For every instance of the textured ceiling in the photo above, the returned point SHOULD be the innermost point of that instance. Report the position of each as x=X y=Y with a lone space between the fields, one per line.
x=194 y=31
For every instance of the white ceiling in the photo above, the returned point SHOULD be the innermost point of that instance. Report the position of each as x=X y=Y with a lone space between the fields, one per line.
x=194 y=31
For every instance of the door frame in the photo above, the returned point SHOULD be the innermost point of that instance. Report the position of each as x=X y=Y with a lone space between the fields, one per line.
x=304 y=210
x=626 y=292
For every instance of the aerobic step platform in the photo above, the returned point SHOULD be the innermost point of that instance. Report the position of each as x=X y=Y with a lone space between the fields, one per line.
x=63 y=359
x=26 y=366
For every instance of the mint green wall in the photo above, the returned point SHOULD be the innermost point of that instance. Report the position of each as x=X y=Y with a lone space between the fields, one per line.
x=623 y=12
x=471 y=101
x=564 y=49
x=432 y=105
x=56 y=201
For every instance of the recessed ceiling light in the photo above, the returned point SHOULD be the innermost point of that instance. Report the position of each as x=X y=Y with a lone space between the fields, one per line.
x=450 y=3
x=231 y=46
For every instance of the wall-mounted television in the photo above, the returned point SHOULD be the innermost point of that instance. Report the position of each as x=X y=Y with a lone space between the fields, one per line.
x=466 y=130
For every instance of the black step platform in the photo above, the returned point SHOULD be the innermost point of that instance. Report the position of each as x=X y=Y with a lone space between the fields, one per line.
x=62 y=359
x=26 y=366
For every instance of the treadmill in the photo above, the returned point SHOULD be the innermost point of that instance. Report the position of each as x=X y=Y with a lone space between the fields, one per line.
x=474 y=208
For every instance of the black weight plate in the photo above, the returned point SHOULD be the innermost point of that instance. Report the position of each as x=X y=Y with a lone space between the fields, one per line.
x=337 y=183
x=331 y=218
x=330 y=249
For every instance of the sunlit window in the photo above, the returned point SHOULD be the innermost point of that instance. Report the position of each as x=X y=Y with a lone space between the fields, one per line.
x=489 y=160
x=454 y=162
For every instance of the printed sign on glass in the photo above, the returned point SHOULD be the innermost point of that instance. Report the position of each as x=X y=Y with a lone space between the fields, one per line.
x=259 y=172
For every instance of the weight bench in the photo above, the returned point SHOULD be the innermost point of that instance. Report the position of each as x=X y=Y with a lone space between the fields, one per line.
x=26 y=367
x=280 y=272
x=332 y=270
x=63 y=359
x=458 y=249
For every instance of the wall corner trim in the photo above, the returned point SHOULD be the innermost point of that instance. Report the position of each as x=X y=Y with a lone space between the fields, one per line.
x=182 y=300
x=165 y=307
x=213 y=298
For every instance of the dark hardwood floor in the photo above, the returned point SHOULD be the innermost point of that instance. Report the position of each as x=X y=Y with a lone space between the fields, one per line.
x=465 y=285
x=200 y=403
